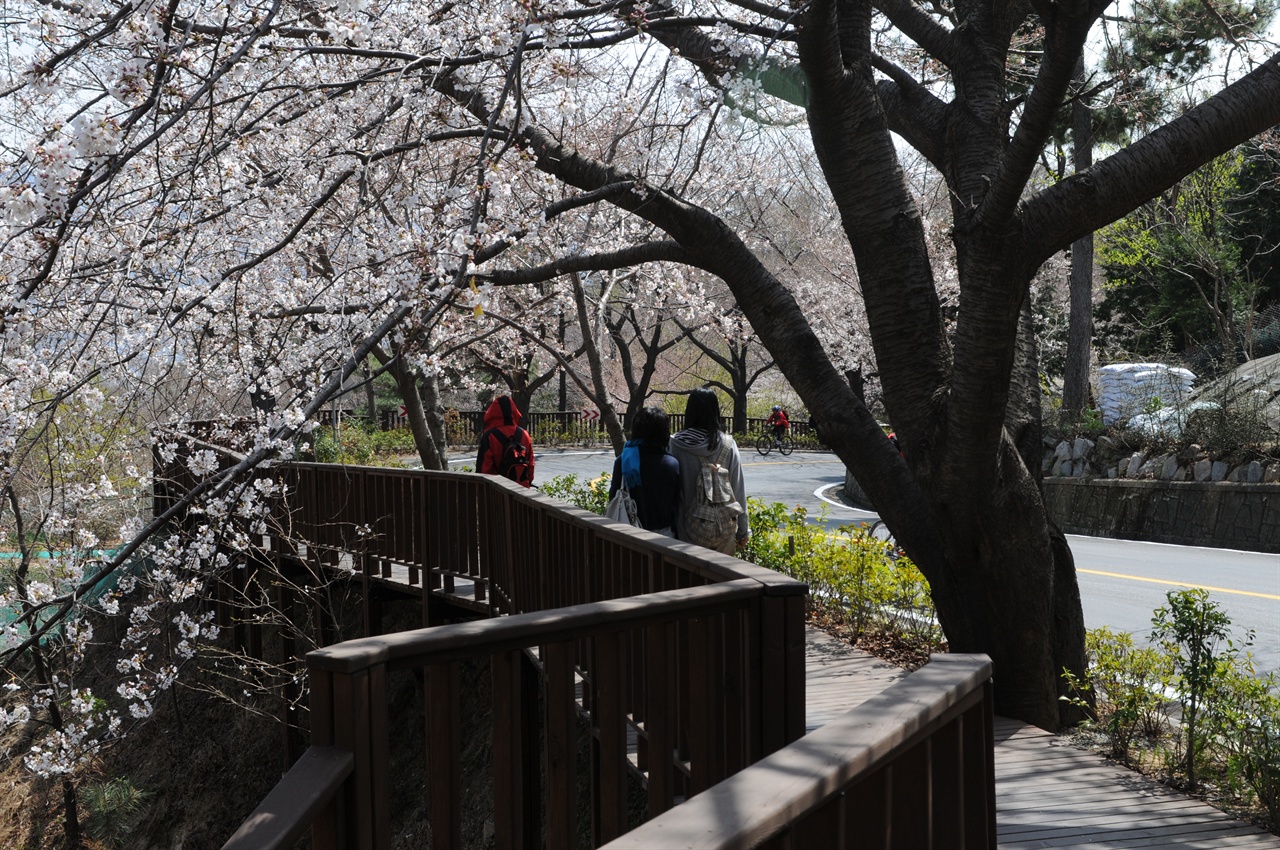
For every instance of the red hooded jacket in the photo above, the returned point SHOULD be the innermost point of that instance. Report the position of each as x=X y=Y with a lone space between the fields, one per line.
x=503 y=418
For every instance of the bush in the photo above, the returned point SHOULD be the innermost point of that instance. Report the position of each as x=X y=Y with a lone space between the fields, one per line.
x=1228 y=729
x=359 y=444
x=863 y=583
x=592 y=495
x=1245 y=714
x=1128 y=684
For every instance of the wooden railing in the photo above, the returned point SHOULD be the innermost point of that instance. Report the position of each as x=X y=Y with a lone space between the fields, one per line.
x=674 y=668
x=685 y=665
x=909 y=768
x=558 y=427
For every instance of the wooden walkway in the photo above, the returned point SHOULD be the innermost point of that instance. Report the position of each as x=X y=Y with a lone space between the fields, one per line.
x=1048 y=793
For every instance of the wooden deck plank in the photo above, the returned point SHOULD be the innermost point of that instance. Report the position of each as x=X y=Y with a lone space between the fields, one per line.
x=1049 y=794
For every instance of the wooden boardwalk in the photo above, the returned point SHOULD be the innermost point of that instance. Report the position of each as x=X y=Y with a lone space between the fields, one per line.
x=1048 y=793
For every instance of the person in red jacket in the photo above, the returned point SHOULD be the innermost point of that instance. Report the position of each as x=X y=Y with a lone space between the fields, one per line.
x=781 y=424
x=505 y=448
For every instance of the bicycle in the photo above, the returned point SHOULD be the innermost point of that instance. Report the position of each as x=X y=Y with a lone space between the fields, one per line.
x=879 y=531
x=764 y=444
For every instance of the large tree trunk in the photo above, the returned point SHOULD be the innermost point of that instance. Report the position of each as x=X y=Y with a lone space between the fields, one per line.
x=963 y=502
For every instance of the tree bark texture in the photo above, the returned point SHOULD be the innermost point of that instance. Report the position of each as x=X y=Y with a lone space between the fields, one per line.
x=1075 y=380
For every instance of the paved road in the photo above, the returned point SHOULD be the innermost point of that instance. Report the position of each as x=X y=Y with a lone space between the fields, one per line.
x=1121 y=582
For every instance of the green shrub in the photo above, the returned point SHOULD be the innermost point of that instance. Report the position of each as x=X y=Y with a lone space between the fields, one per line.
x=862 y=582
x=1128 y=684
x=1245 y=715
x=358 y=444
x=1191 y=628
x=590 y=495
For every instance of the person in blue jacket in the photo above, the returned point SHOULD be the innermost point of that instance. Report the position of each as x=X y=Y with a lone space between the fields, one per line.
x=651 y=473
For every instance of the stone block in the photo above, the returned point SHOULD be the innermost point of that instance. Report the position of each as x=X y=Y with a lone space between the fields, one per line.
x=1253 y=472
x=1063 y=451
x=1135 y=465
x=1219 y=471
x=1168 y=467
x=1202 y=469
x=1081 y=448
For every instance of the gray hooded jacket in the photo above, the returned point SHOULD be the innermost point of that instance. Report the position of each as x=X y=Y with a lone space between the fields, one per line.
x=689 y=446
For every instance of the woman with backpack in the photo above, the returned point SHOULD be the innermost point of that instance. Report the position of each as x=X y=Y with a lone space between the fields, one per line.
x=651 y=474
x=713 y=495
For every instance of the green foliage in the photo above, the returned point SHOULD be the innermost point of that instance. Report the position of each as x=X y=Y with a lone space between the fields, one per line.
x=590 y=495
x=112 y=808
x=360 y=444
x=1229 y=725
x=1187 y=266
x=1246 y=721
x=863 y=582
x=1190 y=629
x=1128 y=684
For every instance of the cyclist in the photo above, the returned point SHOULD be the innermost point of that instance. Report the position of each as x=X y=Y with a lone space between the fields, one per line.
x=781 y=424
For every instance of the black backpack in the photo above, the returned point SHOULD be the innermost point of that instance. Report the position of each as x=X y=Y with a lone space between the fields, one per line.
x=516 y=461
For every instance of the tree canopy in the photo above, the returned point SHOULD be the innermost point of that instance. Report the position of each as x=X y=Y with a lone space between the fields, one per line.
x=216 y=207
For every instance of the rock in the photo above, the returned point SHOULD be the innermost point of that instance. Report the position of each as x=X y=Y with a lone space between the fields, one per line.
x=1219 y=471
x=1253 y=472
x=1147 y=470
x=1081 y=448
x=1063 y=451
x=1272 y=474
x=1113 y=472
x=1057 y=467
x=1135 y=465
x=1202 y=469
x=1236 y=475
x=1168 y=467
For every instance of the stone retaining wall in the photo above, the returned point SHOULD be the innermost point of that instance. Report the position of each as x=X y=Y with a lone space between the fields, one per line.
x=1222 y=514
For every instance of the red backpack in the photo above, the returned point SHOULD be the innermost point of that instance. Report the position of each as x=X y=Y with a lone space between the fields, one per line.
x=516 y=460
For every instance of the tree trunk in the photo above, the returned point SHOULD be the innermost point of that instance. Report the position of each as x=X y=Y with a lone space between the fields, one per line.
x=1075 y=379
x=370 y=397
x=407 y=382
x=602 y=401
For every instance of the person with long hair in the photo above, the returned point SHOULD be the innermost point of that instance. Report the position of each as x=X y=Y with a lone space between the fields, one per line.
x=713 y=494
x=652 y=475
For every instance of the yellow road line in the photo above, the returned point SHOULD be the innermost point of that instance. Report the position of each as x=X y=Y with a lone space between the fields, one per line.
x=1179 y=584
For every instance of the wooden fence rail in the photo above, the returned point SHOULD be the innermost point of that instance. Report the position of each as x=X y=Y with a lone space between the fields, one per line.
x=673 y=666
x=910 y=768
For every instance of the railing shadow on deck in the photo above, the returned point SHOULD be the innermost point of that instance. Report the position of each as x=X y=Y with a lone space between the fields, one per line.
x=687 y=665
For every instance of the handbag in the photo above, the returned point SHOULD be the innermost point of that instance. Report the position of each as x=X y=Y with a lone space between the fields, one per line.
x=622 y=508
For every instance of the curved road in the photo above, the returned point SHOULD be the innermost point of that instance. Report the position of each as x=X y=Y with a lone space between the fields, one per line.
x=1121 y=581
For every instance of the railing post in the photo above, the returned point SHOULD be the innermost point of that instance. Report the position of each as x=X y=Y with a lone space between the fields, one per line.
x=561 y=746
x=517 y=752
x=780 y=625
x=444 y=758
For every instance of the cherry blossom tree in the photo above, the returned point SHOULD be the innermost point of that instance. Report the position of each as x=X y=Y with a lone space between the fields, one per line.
x=237 y=203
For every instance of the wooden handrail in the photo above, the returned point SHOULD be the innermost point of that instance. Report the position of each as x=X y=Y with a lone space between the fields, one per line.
x=448 y=643
x=777 y=794
x=287 y=812
x=688 y=666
